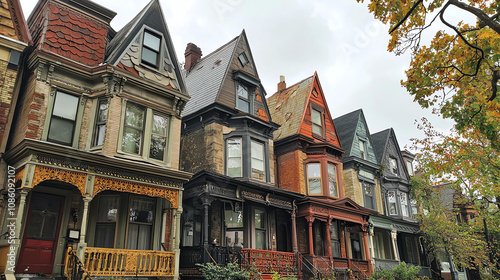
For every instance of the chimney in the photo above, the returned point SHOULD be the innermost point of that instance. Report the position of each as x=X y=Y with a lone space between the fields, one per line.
x=281 y=84
x=192 y=55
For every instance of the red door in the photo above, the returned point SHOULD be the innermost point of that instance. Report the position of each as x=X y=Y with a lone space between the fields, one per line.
x=40 y=235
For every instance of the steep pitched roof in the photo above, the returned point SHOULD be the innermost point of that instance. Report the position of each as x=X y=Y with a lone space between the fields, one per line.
x=204 y=81
x=346 y=128
x=123 y=50
x=287 y=107
x=379 y=141
x=12 y=22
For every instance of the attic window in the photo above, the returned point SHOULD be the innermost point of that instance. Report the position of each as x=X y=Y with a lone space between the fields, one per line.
x=151 y=49
x=243 y=59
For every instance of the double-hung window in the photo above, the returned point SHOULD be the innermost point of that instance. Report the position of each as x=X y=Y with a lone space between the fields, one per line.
x=317 y=122
x=140 y=227
x=151 y=49
x=393 y=165
x=392 y=202
x=258 y=161
x=260 y=229
x=314 y=178
x=63 y=120
x=233 y=219
x=332 y=180
x=100 y=123
x=243 y=98
x=145 y=132
x=368 y=190
x=233 y=155
x=362 y=149
x=404 y=203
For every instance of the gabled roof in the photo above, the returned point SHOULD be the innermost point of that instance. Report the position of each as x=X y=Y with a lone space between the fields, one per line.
x=379 y=141
x=346 y=128
x=12 y=22
x=205 y=79
x=123 y=49
x=287 y=107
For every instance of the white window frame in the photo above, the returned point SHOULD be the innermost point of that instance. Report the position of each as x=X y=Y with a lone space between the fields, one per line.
x=309 y=178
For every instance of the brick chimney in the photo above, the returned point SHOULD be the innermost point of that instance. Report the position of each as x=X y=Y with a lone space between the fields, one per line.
x=281 y=84
x=192 y=55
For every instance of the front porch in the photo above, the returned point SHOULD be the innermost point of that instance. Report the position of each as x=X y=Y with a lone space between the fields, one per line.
x=105 y=262
x=264 y=262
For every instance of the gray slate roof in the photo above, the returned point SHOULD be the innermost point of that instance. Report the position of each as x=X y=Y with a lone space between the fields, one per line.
x=379 y=141
x=346 y=128
x=204 y=81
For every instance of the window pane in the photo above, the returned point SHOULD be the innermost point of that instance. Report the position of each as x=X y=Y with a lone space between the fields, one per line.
x=260 y=240
x=108 y=208
x=244 y=105
x=99 y=138
x=104 y=236
x=316 y=129
x=242 y=91
x=65 y=106
x=234 y=147
x=152 y=41
x=314 y=170
x=134 y=116
x=157 y=148
x=141 y=210
x=258 y=166
x=61 y=130
x=392 y=203
x=316 y=117
x=159 y=125
x=315 y=186
x=260 y=218
x=257 y=150
x=131 y=142
x=234 y=219
x=149 y=56
x=332 y=180
x=102 y=114
x=234 y=238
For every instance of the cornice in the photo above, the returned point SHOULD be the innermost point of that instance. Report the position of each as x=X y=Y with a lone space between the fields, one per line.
x=29 y=147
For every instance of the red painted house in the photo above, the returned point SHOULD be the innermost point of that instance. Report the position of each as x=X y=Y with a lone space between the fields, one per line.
x=332 y=230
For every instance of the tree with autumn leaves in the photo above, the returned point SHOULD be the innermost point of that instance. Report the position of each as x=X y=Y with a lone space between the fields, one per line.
x=456 y=73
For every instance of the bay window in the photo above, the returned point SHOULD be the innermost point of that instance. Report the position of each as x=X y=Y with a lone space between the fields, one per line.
x=404 y=204
x=332 y=180
x=368 y=190
x=247 y=157
x=391 y=198
x=321 y=178
x=145 y=132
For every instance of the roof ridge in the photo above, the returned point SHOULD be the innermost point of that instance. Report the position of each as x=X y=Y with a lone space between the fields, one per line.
x=217 y=50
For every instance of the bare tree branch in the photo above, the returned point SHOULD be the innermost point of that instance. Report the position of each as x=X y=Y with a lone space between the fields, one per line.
x=480 y=14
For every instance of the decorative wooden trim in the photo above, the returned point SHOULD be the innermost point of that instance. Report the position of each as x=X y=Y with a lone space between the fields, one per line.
x=103 y=183
x=44 y=173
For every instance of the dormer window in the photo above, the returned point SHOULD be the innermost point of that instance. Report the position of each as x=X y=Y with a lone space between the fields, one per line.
x=393 y=165
x=362 y=149
x=317 y=121
x=410 y=167
x=243 y=59
x=151 y=49
x=243 y=98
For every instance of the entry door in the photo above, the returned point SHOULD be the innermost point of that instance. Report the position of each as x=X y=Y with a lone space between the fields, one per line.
x=41 y=233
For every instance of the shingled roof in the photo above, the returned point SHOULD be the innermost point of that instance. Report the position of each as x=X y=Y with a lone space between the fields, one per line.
x=288 y=106
x=379 y=141
x=346 y=128
x=204 y=80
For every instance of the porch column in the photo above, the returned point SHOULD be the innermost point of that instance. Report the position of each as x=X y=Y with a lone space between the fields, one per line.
x=394 y=236
x=328 y=240
x=177 y=238
x=310 y=220
x=372 y=249
x=367 y=250
x=342 y=240
x=294 y=230
x=9 y=269
x=83 y=231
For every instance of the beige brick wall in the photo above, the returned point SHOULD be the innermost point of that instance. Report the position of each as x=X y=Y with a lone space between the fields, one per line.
x=352 y=186
x=112 y=126
x=176 y=143
x=378 y=194
x=86 y=124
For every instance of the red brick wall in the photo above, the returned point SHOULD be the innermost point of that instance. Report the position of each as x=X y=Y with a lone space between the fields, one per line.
x=291 y=172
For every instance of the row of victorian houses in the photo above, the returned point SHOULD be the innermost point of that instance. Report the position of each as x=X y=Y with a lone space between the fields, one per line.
x=120 y=162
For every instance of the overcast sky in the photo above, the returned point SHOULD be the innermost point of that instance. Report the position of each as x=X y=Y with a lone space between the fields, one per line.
x=338 y=39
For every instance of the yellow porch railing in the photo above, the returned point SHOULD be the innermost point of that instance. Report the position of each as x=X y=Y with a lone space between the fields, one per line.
x=122 y=262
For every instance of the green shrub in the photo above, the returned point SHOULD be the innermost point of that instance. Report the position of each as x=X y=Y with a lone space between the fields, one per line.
x=400 y=272
x=230 y=271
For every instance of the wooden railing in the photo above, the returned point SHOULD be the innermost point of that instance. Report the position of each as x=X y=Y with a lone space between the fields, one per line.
x=122 y=262
x=73 y=267
x=268 y=262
